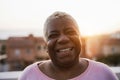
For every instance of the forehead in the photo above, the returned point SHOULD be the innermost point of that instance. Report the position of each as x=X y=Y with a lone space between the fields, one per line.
x=60 y=24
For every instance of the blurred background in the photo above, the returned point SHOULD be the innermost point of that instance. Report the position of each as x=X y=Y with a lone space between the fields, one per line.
x=21 y=30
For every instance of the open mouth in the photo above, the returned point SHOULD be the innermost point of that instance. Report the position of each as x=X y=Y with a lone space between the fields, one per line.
x=64 y=52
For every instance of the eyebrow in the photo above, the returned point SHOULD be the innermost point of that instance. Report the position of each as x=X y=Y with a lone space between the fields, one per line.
x=70 y=29
x=54 y=31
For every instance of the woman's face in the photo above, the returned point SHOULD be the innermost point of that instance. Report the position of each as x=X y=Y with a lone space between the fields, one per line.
x=63 y=41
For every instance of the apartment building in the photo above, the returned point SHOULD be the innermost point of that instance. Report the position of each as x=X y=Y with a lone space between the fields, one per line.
x=22 y=51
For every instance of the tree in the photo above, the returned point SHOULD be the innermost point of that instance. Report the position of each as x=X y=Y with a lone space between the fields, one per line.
x=3 y=49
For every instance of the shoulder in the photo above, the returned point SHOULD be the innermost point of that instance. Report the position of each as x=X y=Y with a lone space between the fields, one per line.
x=27 y=71
x=31 y=70
x=31 y=67
x=34 y=66
x=98 y=65
x=102 y=69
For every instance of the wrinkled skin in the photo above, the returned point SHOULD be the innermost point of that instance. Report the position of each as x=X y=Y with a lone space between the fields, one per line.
x=63 y=42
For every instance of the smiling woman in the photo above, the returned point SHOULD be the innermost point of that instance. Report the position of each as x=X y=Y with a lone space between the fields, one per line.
x=64 y=47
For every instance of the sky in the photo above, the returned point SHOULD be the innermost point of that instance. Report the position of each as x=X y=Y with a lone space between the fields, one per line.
x=24 y=17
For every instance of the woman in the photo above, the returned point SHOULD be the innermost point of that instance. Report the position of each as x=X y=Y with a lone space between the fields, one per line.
x=64 y=47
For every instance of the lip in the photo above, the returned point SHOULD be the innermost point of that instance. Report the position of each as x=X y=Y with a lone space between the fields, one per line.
x=64 y=52
x=62 y=48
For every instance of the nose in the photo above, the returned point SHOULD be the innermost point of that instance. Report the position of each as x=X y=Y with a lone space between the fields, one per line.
x=63 y=39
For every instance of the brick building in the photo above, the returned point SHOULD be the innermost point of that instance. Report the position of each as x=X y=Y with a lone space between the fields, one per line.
x=112 y=44
x=22 y=51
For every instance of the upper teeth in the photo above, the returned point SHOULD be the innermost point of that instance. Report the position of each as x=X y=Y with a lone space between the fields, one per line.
x=65 y=49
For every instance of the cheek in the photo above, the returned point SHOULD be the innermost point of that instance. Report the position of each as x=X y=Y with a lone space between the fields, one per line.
x=77 y=42
x=51 y=47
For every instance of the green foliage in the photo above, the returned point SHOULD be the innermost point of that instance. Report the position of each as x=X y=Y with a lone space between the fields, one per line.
x=113 y=59
x=3 y=49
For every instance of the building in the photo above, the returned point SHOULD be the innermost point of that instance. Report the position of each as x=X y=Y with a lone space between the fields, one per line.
x=112 y=44
x=103 y=45
x=22 y=51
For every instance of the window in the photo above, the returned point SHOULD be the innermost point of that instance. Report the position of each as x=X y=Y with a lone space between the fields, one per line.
x=28 y=51
x=17 y=52
x=39 y=48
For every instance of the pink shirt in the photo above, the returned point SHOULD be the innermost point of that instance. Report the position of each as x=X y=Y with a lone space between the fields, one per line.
x=95 y=71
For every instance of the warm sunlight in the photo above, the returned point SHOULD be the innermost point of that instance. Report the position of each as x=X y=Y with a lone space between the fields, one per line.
x=22 y=41
x=22 y=17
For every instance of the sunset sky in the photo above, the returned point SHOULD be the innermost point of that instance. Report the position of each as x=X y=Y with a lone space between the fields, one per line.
x=23 y=17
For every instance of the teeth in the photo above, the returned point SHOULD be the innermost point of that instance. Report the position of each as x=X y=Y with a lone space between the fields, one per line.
x=65 y=49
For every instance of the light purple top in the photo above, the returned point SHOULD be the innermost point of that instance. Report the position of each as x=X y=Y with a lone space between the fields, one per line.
x=95 y=71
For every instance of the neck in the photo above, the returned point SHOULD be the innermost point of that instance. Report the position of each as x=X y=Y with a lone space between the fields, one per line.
x=65 y=73
x=65 y=67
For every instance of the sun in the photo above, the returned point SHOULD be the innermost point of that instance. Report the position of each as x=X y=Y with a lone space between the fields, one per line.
x=87 y=31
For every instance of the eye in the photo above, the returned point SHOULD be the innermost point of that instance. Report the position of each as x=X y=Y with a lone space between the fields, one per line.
x=52 y=36
x=71 y=32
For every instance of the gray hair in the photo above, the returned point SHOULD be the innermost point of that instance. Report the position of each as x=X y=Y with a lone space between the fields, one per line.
x=58 y=15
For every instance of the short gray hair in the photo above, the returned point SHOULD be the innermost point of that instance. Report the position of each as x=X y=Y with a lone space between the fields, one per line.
x=57 y=15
